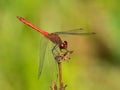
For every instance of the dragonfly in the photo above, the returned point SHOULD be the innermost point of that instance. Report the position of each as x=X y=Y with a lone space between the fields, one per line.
x=55 y=38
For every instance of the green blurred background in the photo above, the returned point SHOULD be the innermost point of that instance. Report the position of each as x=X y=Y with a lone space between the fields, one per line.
x=95 y=63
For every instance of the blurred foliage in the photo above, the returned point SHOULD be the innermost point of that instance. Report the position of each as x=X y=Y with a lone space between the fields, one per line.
x=95 y=63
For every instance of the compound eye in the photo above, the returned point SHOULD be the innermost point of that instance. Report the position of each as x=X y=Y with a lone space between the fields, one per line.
x=62 y=46
x=65 y=42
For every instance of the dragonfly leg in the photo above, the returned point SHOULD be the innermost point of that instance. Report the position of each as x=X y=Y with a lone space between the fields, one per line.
x=54 y=50
x=63 y=50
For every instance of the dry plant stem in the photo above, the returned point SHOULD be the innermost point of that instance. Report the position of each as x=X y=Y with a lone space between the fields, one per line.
x=53 y=86
x=60 y=75
x=59 y=58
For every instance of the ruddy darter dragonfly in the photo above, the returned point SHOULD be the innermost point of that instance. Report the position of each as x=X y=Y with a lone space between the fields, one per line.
x=54 y=37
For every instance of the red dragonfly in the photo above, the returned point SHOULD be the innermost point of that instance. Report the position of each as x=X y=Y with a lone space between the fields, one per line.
x=54 y=37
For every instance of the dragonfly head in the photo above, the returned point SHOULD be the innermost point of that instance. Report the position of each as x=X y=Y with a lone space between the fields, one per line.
x=63 y=45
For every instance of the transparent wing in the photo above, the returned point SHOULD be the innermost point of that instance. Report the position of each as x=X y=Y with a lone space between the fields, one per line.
x=43 y=46
x=49 y=70
x=79 y=31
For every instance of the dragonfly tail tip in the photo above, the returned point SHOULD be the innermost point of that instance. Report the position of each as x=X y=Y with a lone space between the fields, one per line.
x=20 y=18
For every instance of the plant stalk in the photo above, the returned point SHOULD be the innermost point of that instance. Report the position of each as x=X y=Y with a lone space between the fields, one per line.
x=60 y=75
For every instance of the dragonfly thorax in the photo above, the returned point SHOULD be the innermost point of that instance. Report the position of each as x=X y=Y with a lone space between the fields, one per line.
x=63 y=45
x=54 y=38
